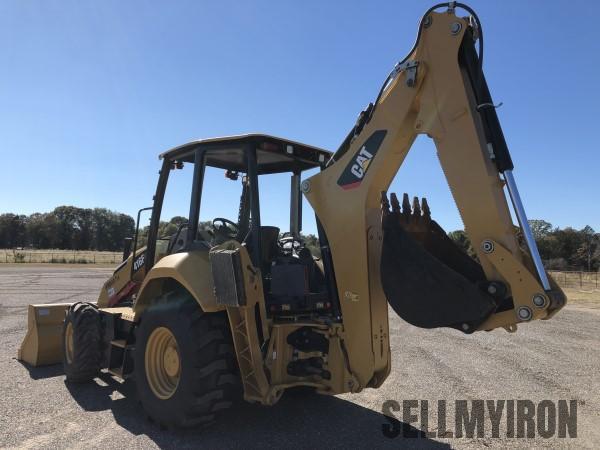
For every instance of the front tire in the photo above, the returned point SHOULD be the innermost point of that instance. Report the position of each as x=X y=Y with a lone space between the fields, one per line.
x=184 y=363
x=82 y=343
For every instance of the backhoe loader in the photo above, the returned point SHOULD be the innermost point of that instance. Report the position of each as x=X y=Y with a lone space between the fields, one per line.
x=239 y=308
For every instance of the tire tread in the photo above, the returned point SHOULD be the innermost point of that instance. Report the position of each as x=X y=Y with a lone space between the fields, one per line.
x=216 y=384
x=87 y=343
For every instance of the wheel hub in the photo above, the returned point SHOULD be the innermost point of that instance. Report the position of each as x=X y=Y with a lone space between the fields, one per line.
x=162 y=363
x=171 y=361
x=69 y=343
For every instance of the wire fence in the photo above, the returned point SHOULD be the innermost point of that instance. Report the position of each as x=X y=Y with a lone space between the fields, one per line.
x=575 y=279
x=60 y=257
x=566 y=279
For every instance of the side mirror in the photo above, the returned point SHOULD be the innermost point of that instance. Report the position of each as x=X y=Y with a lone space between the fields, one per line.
x=127 y=248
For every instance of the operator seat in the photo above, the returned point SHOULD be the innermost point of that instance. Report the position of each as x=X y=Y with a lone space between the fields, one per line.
x=269 y=237
x=268 y=242
x=316 y=280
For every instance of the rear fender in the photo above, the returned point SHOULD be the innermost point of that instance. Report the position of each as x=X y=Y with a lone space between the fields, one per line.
x=190 y=269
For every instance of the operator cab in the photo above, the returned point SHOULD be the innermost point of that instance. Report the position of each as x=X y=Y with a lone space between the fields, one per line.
x=295 y=277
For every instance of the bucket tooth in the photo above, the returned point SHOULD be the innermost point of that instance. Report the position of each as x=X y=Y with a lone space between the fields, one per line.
x=395 y=203
x=406 y=209
x=426 y=210
x=385 y=205
x=416 y=208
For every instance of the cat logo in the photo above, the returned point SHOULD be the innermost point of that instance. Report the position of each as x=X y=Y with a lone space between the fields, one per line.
x=362 y=163
x=356 y=170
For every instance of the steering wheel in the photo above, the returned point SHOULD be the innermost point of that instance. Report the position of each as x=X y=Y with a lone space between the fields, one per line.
x=289 y=243
x=225 y=227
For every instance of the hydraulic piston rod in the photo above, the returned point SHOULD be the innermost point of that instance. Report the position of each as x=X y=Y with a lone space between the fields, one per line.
x=513 y=192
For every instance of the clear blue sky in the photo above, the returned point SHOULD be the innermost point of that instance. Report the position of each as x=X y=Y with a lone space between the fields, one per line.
x=92 y=91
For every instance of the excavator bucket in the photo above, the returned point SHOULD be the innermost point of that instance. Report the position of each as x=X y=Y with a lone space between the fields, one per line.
x=42 y=344
x=427 y=279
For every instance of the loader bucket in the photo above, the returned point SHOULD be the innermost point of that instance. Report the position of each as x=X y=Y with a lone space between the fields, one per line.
x=42 y=344
x=427 y=279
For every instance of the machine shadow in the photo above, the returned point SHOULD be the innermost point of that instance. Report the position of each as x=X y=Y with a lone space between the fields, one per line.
x=301 y=419
x=42 y=372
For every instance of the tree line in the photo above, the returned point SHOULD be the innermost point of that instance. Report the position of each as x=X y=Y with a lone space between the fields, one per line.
x=560 y=248
x=67 y=228
x=73 y=228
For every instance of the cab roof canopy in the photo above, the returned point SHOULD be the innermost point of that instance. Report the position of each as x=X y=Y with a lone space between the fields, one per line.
x=273 y=154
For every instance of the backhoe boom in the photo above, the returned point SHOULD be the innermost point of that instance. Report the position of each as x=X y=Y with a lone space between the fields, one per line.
x=438 y=90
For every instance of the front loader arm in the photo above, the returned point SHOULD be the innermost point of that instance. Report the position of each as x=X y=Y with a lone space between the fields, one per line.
x=438 y=90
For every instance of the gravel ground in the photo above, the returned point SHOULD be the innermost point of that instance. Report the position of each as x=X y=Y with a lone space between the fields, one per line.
x=557 y=359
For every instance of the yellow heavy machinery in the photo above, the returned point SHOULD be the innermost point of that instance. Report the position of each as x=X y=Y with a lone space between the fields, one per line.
x=206 y=315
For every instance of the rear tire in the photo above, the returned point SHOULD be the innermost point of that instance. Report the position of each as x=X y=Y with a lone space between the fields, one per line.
x=82 y=343
x=184 y=363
